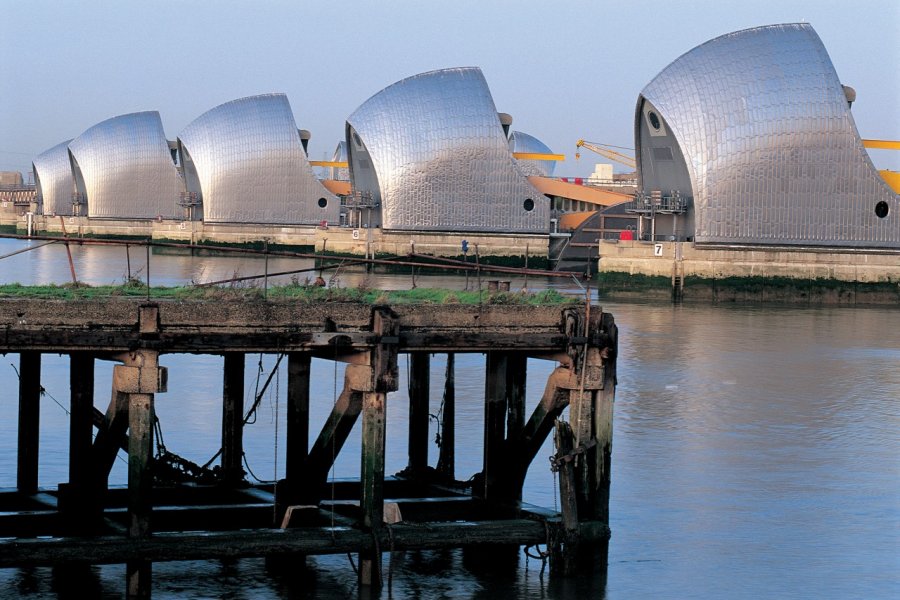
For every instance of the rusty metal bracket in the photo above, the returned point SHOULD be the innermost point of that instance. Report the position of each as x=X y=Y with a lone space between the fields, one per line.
x=557 y=461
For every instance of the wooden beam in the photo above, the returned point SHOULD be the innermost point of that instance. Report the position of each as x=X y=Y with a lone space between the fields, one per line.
x=262 y=542
x=603 y=420
x=81 y=429
x=329 y=443
x=108 y=441
x=516 y=377
x=299 y=364
x=495 y=415
x=372 y=482
x=563 y=557
x=29 y=421
x=523 y=448
x=233 y=417
x=140 y=486
x=447 y=458
x=419 y=396
x=385 y=376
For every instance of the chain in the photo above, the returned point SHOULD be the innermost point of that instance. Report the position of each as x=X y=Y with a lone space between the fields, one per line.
x=557 y=461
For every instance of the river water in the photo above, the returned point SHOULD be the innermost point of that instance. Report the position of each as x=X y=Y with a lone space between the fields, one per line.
x=756 y=449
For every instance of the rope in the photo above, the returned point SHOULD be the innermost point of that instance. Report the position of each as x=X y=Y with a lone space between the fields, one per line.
x=252 y=474
x=541 y=555
x=256 y=401
x=439 y=418
x=256 y=395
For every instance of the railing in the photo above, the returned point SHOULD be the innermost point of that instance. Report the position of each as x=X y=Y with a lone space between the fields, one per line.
x=359 y=199
x=656 y=202
x=188 y=199
x=598 y=182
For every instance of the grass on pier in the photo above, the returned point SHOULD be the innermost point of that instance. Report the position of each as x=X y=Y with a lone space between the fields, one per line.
x=309 y=294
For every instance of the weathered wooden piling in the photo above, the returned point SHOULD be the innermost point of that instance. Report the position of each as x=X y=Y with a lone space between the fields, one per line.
x=428 y=507
x=233 y=417
x=29 y=421
x=297 y=431
x=419 y=395
x=446 y=465
x=74 y=497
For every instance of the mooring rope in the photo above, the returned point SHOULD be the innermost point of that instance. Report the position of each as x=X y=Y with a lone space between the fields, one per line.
x=251 y=412
x=541 y=555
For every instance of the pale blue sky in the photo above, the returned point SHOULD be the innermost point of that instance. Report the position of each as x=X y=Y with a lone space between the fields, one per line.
x=564 y=70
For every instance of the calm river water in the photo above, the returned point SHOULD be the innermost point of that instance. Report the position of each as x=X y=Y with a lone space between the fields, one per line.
x=756 y=450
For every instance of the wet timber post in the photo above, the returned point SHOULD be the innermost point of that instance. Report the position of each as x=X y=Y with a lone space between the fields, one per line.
x=29 y=421
x=504 y=418
x=383 y=378
x=233 y=417
x=446 y=465
x=288 y=492
x=516 y=375
x=297 y=429
x=81 y=433
x=504 y=422
x=495 y=410
x=584 y=445
x=419 y=392
x=135 y=382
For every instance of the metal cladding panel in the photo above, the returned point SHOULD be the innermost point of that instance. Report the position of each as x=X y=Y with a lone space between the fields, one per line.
x=522 y=142
x=251 y=166
x=771 y=147
x=127 y=168
x=53 y=177
x=442 y=160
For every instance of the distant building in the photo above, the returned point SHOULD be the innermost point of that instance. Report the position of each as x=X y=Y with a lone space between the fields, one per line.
x=430 y=154
x=749 y=139
x=123 y=169
x=11 y=178
x=602 y=172
x=244 y=162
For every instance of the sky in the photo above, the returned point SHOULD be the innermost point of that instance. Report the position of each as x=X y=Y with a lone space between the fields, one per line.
x=564 y=70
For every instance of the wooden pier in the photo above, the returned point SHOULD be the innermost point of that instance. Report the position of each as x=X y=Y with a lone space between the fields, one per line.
x=86 y=521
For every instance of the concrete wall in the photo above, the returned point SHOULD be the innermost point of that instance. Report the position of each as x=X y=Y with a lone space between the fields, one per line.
x=663 y=258
x=438 y=244
x=333 y=239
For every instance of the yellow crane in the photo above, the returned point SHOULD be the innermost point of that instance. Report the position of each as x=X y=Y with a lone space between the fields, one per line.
x=891 y=177
x=882 y=144
x=607 y=151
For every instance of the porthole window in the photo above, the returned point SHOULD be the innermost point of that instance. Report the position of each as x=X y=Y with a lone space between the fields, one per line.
x=528 y=204
x=882 y=209
x=323 y=202
x=654 y=120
